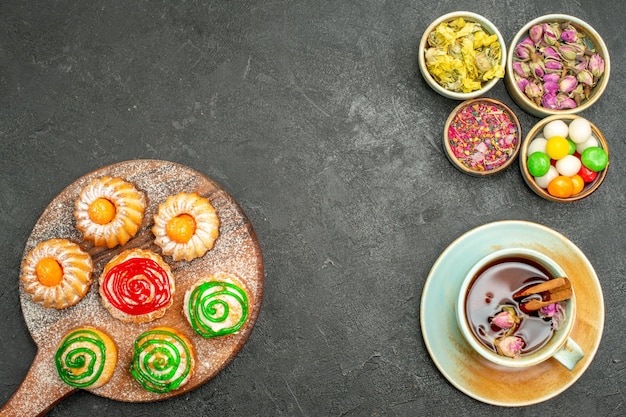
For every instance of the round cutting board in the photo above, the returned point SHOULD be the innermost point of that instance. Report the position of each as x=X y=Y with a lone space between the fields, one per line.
x=236 y=251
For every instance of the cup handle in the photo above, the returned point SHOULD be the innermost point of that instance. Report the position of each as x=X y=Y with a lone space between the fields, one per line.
x=569 y=354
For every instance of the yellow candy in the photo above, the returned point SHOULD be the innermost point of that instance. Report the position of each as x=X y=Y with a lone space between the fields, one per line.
x=557 y=147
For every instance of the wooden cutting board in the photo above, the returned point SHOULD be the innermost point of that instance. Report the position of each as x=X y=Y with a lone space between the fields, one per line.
x=236 y=251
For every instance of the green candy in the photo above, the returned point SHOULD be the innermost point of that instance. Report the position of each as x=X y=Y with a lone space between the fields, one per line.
x=594 y=158
x=572 y=147
x=538 y=164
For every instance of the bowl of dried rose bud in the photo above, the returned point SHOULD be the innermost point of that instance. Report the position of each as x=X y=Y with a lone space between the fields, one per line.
x=557 y=64
x=462 y=55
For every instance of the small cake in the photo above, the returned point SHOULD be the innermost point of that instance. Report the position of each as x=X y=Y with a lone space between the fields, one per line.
x=186 y=226
x=86 y=358
x=57 y=273
x=217 y=306
x=137 y=286
x=163 y=360
x=109 y=211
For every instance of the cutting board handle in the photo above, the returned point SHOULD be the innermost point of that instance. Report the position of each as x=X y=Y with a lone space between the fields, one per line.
x=40 y=391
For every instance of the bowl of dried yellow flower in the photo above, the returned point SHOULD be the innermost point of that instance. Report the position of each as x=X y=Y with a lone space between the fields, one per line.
x=462 y=55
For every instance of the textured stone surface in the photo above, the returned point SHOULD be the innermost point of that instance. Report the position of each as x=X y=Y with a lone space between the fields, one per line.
x=314 y=117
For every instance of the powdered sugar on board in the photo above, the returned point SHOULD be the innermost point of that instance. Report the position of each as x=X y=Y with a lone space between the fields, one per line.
x=236 y=251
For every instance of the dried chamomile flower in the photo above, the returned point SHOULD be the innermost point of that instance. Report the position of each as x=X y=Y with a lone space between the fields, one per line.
x=461 y=56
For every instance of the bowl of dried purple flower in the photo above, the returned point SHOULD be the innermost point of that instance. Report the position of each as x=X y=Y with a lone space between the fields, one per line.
x=557 y=64
x=462 y=55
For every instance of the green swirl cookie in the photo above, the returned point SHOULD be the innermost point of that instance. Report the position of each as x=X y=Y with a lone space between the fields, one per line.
x=163 y=360
x=216 y=308
x=86 y=358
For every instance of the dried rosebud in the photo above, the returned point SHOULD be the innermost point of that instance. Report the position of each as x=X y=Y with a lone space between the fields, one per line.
x=578 y=94
x=558 y=101
x=585 y=77
x=569 y=35
x=568 y=84
x=504 y=319
x=551 y=87
x=510 y=346
x=568 y=52
x=551 y=52
x=582 y=65
x=551 y=34
x=522 y=83
x=553 y=65
x=596 y=65
x=552 y=77
x=556 y=312
x=565 y=102
x=536 y=33
x=549 y=101
x=537 y=69
x=549 y=310
x=528 y=41
x=525 y=49
x=533 y=90
x=521 y=68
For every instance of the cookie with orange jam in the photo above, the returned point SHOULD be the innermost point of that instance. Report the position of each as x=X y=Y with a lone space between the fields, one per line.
x=137 y=286
x=57 y=273
x=186 y=226
x=109 y=211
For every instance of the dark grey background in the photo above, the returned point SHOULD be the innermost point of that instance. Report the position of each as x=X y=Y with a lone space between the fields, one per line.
x=313 y=115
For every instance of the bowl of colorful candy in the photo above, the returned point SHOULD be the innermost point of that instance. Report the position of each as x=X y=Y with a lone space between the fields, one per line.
x=462 y=55
x=564 y=158
x=557 y=64
x=482 y=136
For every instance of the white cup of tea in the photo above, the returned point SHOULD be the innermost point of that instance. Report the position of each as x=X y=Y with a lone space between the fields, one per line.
x=496 y=325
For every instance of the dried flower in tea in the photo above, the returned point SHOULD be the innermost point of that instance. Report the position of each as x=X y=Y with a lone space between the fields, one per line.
x=510 y=346
x=554 y=311
x=506 y=318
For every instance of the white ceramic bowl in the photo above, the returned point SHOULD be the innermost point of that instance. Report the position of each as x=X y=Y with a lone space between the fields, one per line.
x=487 y=26
x=597 y=43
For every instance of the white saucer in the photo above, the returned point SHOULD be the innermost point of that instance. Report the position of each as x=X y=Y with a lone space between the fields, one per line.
x=465 y=369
